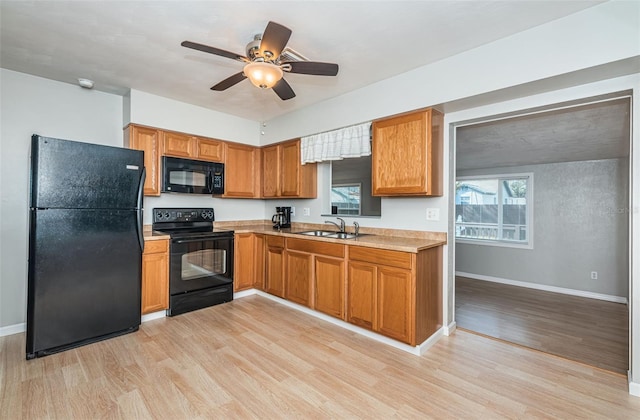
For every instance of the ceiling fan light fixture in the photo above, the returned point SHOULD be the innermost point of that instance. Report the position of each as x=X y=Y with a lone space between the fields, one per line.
x=263 y=75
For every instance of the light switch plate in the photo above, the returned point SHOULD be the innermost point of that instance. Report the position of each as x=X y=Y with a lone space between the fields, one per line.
x=433 y=214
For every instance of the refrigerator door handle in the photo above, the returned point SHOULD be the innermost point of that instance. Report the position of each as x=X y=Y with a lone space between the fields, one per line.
x=140 y=210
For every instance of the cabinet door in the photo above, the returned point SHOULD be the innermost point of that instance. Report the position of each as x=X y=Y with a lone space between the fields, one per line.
x=210 y=150
x=149 y=141
x=240 y=171
x=298 y=277
x=243 y=268
x=329 y=286
x=155 y=277
x=258 y=278
x=362 y=295
x=270 y=172
x=180 y=145
x=274 y=271
x=290 y=171
x=395 y=303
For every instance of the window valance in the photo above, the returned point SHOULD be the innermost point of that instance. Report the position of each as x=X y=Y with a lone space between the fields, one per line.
x=348 y=142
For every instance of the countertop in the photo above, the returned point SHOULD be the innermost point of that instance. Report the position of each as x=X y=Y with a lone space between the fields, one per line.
x=390 y=239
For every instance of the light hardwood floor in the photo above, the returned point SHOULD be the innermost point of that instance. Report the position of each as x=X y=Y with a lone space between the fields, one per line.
x=253 y=358
x=586 y=330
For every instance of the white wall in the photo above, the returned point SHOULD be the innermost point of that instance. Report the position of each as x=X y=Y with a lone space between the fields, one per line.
x=32 y=105
x=580 y=225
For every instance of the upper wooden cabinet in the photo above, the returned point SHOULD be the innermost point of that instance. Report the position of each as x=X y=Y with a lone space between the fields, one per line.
x=284 y=175
x=242 y=171
x=149 y=140
x=407 y=154
x=191 y=147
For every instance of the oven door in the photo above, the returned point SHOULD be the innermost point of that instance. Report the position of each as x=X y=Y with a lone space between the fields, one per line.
x=200 y=263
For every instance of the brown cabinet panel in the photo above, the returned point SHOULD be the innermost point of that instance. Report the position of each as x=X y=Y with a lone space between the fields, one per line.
x=329 y=286
x=155 y=276
x=270 y=171
x=381 y=256
x=316 y=247
x=395 y=303
x=241 y=171
x=407 y=154
x=298 y=277
x=179 y=145
x=362 y=295
x=209 y=149
x=149 y=140
x=284 y=175
x=259 y=249
x=244 y=261
x=290 y=171
x=274 y=267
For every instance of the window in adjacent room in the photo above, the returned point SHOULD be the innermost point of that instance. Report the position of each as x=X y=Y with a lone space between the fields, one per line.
x=495 y=210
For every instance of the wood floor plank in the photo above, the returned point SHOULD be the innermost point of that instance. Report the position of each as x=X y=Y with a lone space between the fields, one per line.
x=586 y=330
x=254 y=359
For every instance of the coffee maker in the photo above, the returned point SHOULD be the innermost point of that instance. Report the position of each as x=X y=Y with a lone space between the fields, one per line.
x=282 y=218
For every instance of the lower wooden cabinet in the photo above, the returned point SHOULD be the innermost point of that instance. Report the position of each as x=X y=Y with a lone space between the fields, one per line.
x=329 y=285
x=248 y=267
x=315 y=275
x=298 y=277
x=394 y=293
x=274 y=265
x=155 y=276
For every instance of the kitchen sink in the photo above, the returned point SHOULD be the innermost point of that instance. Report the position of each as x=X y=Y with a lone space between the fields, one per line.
x=316 y=232
x=330 y=234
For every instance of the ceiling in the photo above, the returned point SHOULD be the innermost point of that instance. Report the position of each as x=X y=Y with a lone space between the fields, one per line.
x=124 y=45
x=590 y=131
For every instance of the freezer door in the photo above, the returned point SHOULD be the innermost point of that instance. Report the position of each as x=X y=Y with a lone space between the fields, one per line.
x=84 y=276
x=70 y=174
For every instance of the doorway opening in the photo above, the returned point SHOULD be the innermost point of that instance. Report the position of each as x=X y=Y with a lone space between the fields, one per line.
x=547 y=266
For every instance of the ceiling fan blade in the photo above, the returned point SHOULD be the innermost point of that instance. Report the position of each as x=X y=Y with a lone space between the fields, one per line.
x=229 y=81
x=213 y=50
x=283 y=90
x=274 y=39
x=311 y=67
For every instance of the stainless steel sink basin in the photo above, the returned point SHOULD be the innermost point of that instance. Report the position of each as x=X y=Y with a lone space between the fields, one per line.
x=330 y=234
x=316 y=232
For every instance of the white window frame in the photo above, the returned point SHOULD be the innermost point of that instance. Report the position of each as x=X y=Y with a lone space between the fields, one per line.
x=529 y=197
x=354 y=184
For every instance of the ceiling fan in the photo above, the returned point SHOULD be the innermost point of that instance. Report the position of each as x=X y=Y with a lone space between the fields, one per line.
x=266 y=63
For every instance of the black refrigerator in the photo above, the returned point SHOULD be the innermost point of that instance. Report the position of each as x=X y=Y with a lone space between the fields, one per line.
x=85 y=244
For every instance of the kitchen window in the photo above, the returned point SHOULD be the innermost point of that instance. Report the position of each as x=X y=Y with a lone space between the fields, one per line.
x=345 y=199
x=495 y=210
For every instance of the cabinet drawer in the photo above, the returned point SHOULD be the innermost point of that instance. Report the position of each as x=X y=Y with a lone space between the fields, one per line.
x=316 y=247
x=381 y=256
x=153 y=247
x=275 y=241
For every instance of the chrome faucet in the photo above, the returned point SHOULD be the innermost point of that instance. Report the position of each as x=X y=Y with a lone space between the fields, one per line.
x=356 y=229
x=340 y=226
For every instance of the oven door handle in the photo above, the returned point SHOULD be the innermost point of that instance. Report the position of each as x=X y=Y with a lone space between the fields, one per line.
x=200 y=239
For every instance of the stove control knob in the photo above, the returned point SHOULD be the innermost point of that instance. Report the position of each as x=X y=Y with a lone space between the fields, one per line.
x=166 y=215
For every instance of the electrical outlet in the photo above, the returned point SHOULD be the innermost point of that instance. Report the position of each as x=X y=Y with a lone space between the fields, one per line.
x=293 y=211
x=306 y=211
x=594 y=275
x=433 y=214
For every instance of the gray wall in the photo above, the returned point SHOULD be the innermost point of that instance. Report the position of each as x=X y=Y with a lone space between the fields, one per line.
x=581 y=224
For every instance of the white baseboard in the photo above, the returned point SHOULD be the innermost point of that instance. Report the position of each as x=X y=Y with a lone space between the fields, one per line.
x=243 y=293
x=13 y=329
x=544 y=287
x=450 y=329
x=417 y=350
x=153 y=315
x=634 y=388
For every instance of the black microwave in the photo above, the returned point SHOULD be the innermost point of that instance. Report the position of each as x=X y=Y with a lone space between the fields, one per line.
x=192 y=176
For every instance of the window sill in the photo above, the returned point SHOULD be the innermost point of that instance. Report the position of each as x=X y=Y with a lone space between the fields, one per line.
x=504 y=244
